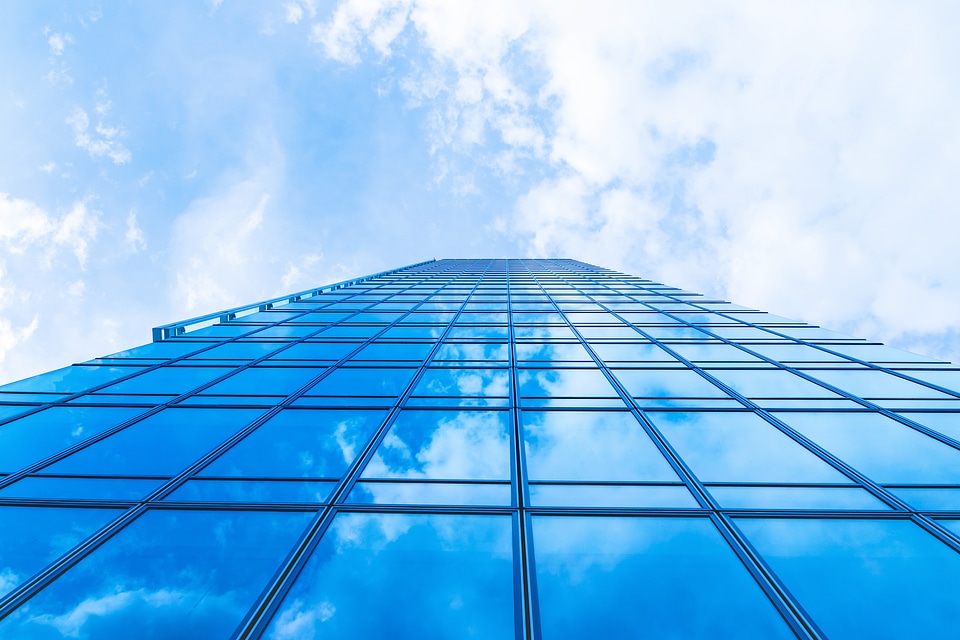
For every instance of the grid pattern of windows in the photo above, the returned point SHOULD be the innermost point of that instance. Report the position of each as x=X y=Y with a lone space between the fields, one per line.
x=485 y=448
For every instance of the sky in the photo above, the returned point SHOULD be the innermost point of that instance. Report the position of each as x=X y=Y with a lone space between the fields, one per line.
x=165 y=160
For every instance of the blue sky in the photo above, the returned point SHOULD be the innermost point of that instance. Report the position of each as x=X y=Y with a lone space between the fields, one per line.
x=169 y=159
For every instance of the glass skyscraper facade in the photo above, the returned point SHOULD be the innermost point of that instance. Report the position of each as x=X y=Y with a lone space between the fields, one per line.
x=484 y=449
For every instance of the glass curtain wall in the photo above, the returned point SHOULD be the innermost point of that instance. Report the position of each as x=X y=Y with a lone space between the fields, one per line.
x=485 y=449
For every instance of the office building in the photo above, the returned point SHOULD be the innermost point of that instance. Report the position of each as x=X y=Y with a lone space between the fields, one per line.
x=484 y=449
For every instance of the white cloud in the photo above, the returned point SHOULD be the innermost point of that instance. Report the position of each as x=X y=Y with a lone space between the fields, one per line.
x=792 y=157
x=135 y=237
x=58 y=42
x=25 y=225
x=104 y=143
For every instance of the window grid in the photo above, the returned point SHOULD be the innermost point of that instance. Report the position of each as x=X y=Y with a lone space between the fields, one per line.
x=552 y=395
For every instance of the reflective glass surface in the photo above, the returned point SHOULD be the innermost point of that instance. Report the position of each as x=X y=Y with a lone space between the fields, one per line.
x=169 y=574
x=484 y=449
x=645 y=577
x=462 y=585
x=864 y=578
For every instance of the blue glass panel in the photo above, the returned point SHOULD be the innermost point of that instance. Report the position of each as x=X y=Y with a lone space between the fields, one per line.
x=246 y=350
x=160 y=350
x=535 y=351
x=462 y=586
x=317 y=351
x=445 y=445
x=529 y=331
x=632 y=351
x=616 y=577
x=265 y=491
x=70 y=379
x=280 y=381
x=770 y=383
x=413 y=333
x=300 y=444
x=946 y=423
x=713 y=353
x=476 y=331
x=34 y=437
x=883 y=449
x=590 y=445
x=363 y=382
x=170 y=574
x=864 y=578
x=80 y=488
x=163 y=444
x=464 y=382
x=875 y=384
x=432 y=493
x=479 y=352
x=394 y=351
x=173 y=380
x=286 y=331
x=33 y=537
x=740 y=447
x=610 y=496
x=930 y=499
x=796 y=498
x=666 y=383
x=564 y=383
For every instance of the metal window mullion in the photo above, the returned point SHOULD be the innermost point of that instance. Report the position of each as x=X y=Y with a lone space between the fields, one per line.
x=527 y=588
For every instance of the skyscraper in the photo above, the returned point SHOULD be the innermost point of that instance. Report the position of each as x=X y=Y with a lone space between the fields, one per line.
x=484 y=449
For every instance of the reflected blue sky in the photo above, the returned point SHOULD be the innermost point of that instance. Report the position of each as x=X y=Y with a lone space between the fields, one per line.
x=645 y=577
x=462 y=586
x=187 y=574
x=863 y=578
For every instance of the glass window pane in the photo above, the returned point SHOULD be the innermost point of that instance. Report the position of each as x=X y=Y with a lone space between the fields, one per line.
x=666 y=383
x=70 y=379
x=80 y=488
x=616 y=577
x=464 y=382
x=770 y=383
x=170 y=380
x=740 y=447
x=34 y=437
x=265 y=491
x=883 y=449
x=363 y=382
x=300 y=443
x=162 y=445
x=445 y=445
x=462 y=586
x=591 y=445
x=433 y=493
x=863 y=578
x=795 y=498
x=279 y=381
x=610 y=496
x=170 y=574
x=33 y=537
x=564 y=383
